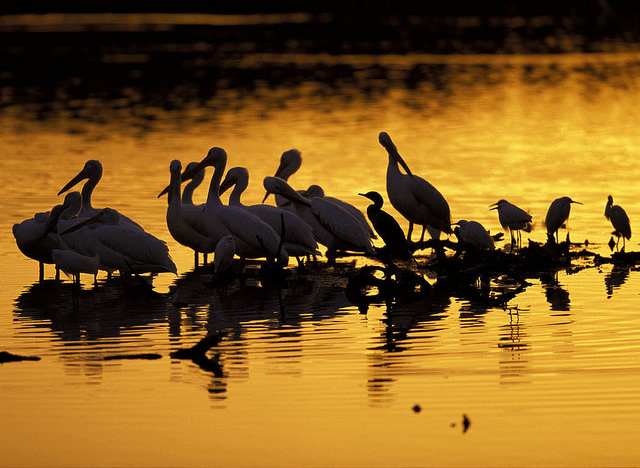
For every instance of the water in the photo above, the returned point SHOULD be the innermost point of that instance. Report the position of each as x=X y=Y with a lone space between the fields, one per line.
x=302 y=376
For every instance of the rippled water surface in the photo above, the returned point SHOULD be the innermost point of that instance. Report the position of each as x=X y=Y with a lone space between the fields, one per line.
x=302 y=376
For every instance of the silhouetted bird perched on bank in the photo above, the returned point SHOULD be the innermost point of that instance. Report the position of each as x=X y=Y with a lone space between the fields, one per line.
x=619 y=220
x=474 y=234
x=557 y=215
x=387 y=228
x=512 y=218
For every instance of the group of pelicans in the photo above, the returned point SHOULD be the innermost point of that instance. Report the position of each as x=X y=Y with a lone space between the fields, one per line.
x=79 y=238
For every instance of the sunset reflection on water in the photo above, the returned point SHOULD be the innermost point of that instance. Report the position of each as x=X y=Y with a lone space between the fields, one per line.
x=302 y=376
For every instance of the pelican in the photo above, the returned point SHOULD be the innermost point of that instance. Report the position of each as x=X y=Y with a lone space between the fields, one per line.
x=298 y=237
x=413 y=197
x=512 y=218
x=387 y=227
x=332 y=225
x=92 y=171
x=253 y=237
x=619 y=220
x=290 y=162
x=119 y=246
x=35 y=239
x=224 y=252
x=184 y=225
x=474 y=234
x=316 y=191
x=557 y=215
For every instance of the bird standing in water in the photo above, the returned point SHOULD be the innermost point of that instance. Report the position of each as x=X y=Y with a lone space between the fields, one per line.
x=619 y=220
x=512 y=219
x=557 y=215
x=387 y=228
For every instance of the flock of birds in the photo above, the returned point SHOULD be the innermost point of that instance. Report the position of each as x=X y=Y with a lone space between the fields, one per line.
x=78 y=238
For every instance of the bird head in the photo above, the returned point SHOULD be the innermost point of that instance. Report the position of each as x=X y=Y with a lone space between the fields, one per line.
x=92 y=168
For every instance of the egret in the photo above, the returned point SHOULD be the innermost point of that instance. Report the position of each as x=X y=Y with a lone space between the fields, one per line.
x=474 y=234
x=253 y=237
x=557 y=215
x=512 y=219
x=316 y=191
x=414 y=198
x=298 y=238
x=35 y=240
x=184 y=228
x=387 y=227
x=290 y=162
x=224 y=252
x=119 y=246
x=619 y=220
x=333 y=226
x=73 y=263
x=92 y=171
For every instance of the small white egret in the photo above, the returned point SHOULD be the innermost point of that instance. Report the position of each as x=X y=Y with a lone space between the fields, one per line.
x=557 y=215
x=619 y=220
x=224 y=252
x=512 y=219
x=184 y=228
x=73 y=263
x=298 y=237
x=387 y=227
x=414 y=198
x=474 y=234
x=253 y=237
x=333 y=226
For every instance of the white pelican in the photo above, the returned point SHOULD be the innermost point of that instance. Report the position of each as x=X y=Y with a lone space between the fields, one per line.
x=619 y=220
x=512 y=218
x=298 y=237
x=35 y=239
x=224 y=252
x=183 y=224
x=119 y=246
x=316 y=191
x=557 y=215
x=290 y=162
x=253 y=237
x=92 y=171
x=474 y=234
x=387 y=227
x=332 y=226
x=413 y=197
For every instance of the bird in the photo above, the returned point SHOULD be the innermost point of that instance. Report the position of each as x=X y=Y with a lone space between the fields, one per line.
x=298 y=237
x=414 y=198
x=333 y=226
x=92 y=171
x=474 y=234
x=619 y=220
x=387 y=227
x=73 y=263
x=290 y=162
x=185 y=228
x=253 y=237
x=224 y=252
x=512 y=219
x=557 y=215
x=119 y=246
x=35 y=239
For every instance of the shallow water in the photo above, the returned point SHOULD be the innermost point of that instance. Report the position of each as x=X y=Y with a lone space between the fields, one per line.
x=302 y=376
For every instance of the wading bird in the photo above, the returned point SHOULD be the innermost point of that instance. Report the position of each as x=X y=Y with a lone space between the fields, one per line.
x=474 y=234
x=253 y=237
x=619 y=220
x=92 y=171
x=557 y=215
x=414 y=198
x=333 y=226
x=387 y=228
x=224 y=252
x=182 y=223
x=298 y=237
x=512 y=219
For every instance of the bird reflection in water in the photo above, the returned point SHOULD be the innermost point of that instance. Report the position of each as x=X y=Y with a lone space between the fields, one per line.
x=556 y=295
x=616 y=278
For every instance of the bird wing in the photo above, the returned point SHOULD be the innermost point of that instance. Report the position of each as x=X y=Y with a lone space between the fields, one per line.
x=341 y=223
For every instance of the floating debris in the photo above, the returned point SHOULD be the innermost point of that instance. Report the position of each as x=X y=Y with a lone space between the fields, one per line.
x=417 y=408
x=6 y=356
x=147 y=356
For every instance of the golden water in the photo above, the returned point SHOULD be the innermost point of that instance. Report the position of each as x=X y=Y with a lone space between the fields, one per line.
x=303 y=378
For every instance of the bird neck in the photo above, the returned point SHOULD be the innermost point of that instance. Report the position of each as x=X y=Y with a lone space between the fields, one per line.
x=213 y=199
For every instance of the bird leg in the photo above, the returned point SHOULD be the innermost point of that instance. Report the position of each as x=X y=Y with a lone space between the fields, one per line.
x=41 y=269
x=195 y=259
x=424 y=228
x=409 y=232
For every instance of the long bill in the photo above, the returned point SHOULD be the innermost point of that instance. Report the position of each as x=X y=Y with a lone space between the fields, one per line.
x=80 y=176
